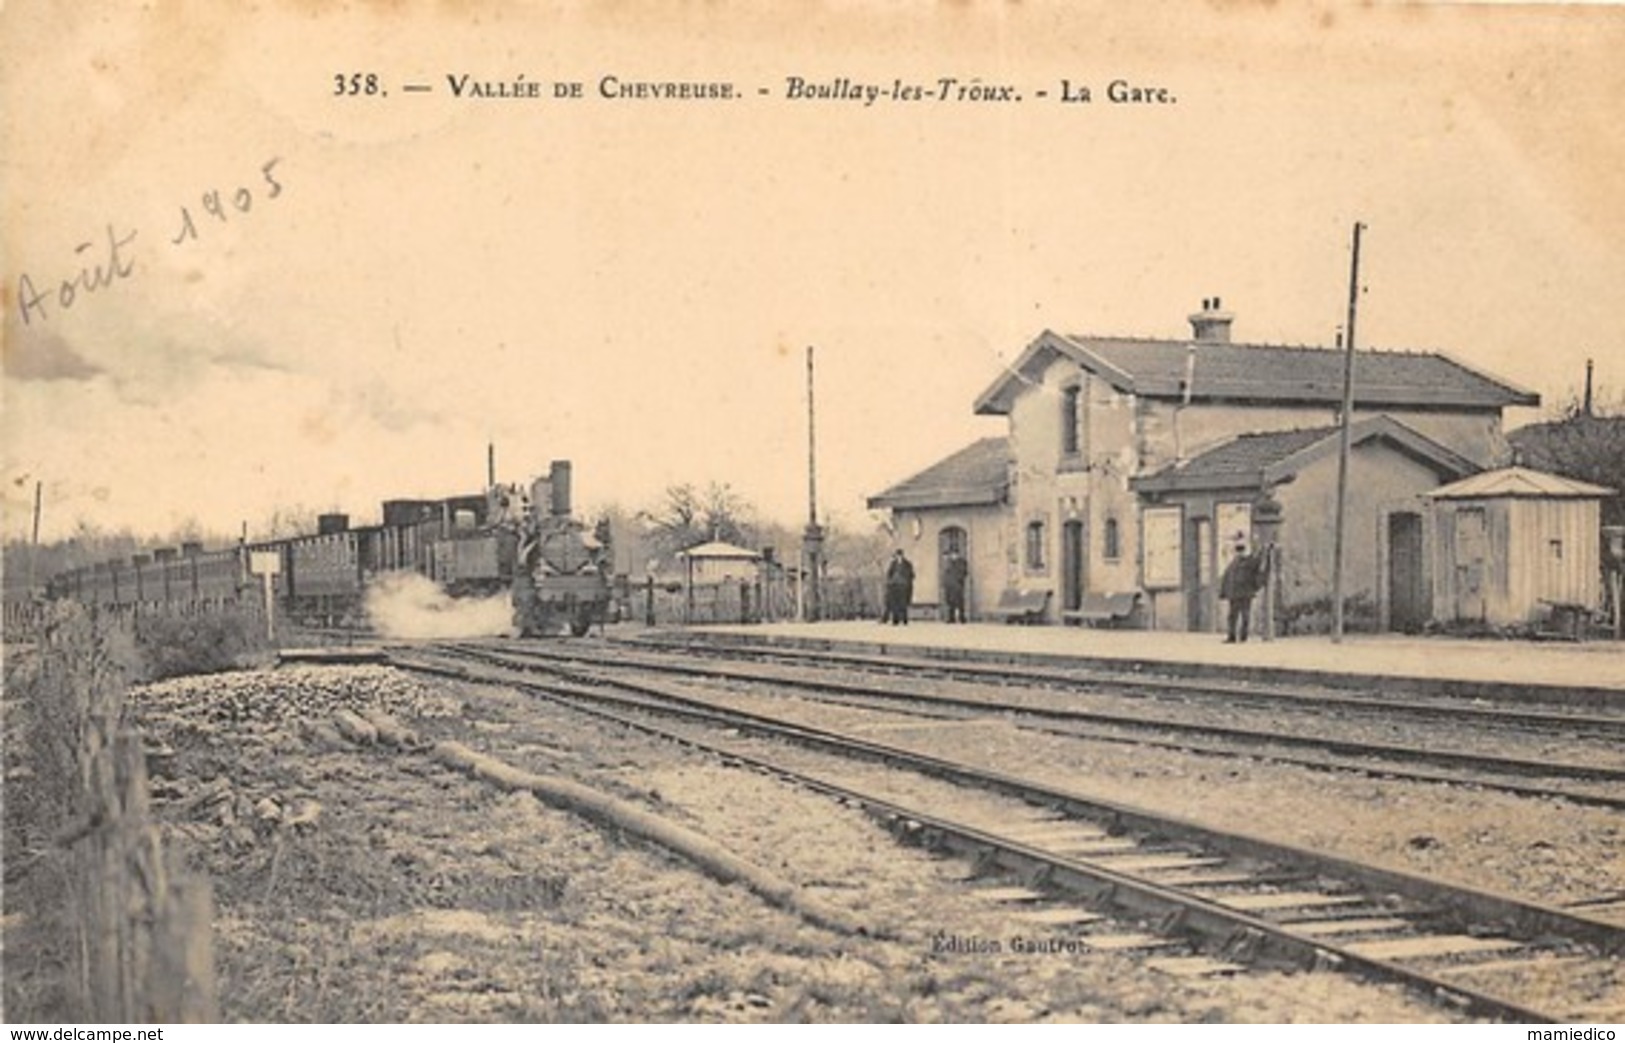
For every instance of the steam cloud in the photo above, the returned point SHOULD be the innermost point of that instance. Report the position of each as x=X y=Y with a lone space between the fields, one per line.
x=407 y=605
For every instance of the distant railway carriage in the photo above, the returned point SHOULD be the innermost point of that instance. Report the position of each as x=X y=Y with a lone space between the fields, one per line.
x=190 y=578
x=507 y=540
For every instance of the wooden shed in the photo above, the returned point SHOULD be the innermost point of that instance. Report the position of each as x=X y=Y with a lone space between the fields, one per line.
x=1515 y=545
x=718 y=562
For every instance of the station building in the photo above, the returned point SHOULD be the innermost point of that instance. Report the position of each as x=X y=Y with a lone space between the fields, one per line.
x=1132 y=467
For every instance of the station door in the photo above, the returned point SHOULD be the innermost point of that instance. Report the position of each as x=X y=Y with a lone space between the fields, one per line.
x=1409 y=605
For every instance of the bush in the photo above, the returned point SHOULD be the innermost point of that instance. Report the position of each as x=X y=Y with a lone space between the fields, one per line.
x=171 y=645
x=1475 y=629
x=1315 y=616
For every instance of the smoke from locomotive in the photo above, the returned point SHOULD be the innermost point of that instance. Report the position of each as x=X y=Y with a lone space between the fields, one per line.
x=409 y=606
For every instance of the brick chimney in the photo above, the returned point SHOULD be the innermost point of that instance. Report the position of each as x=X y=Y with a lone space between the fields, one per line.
x=1211 y=325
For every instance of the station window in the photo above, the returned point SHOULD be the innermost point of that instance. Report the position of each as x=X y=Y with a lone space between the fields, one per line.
x=1070 y=416
x=1035 y=546
x=1112 y=546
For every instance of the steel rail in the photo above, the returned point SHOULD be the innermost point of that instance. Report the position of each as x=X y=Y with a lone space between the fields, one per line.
x=1093 y=679
x=1178 y=910
x=1472 y=904
x=1088 y=675
x=1249 y=738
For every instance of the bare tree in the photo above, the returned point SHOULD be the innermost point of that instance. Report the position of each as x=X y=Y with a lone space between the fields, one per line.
x=297 y=520
x=1589 y=447
x=690 y=516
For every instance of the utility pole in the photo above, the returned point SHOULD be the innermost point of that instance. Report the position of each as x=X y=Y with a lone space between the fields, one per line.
x=490 y=465
x=1343 y=443
x=33 y=547
x=813 y=538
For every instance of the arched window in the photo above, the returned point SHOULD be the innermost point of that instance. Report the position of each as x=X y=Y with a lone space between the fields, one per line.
x=1112 y=548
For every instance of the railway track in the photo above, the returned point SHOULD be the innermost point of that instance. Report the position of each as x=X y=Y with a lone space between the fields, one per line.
x=1419 y=762
x=1189 y=898
x=1159 y=678
x=1089 y=678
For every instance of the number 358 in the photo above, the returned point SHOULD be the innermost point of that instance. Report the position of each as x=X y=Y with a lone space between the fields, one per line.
x=347 y=84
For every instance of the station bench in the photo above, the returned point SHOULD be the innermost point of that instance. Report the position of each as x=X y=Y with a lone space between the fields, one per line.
x=1108 y=609
x=1021 y=606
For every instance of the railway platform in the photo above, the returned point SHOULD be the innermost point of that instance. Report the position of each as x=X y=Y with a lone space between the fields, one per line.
x=1592 y=672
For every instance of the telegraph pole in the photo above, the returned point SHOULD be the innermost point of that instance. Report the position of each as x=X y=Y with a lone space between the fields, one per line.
x=813 y=538
x=1343 y=443
x=33 y=547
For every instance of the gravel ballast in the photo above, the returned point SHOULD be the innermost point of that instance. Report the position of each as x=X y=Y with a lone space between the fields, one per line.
x=374 y=885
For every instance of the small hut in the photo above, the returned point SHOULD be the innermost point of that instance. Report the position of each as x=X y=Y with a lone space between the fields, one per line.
x=1517 y=546
x=717 y=562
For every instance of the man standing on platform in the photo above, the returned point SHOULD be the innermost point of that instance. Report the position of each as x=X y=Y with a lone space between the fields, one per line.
x=1242 y=579
x=955 y=571
x=899 y=588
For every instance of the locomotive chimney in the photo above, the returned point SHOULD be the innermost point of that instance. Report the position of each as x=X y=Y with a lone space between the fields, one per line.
x=558 y=478
x=1211 y=325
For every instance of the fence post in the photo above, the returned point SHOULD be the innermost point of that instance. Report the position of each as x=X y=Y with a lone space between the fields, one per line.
x=143 y=929
x=649 y=600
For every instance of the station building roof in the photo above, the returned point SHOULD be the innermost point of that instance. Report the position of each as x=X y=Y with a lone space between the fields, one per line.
x=1267 y=458
x=977 y=475
x=1258 y=373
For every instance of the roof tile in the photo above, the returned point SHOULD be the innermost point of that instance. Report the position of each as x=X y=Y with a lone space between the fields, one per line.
x=1273 y=372
x=976 y=474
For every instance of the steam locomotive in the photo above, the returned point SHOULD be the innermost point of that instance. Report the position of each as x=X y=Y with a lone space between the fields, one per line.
x=523 y=541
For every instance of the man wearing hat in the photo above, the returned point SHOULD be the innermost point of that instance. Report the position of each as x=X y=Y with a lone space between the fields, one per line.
x=899 y=588
x=1242 y=579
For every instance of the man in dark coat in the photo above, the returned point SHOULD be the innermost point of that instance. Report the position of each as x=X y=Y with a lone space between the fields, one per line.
x=955 y=571
x=899 y=588
x=1243 y=578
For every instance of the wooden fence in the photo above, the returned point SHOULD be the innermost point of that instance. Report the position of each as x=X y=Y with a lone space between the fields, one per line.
x=141 y=927
x=745 y=601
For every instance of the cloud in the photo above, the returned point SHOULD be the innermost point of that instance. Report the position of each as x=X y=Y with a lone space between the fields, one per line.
x=249 y=358
x=382 y=404
x=153 y=360
x=46 y=356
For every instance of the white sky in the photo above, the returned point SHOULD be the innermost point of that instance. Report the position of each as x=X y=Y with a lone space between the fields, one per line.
x=633 y=284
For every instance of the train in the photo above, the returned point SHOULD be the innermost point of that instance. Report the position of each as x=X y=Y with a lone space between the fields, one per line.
x=521 y=540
